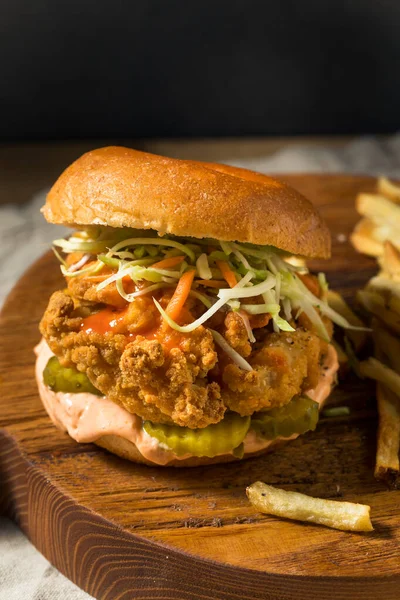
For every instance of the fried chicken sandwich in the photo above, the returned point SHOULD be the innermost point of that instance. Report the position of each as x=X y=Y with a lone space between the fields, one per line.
x=186 y=333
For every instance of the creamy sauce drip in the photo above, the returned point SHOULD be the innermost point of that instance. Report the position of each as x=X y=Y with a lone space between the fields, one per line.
x=87 y=417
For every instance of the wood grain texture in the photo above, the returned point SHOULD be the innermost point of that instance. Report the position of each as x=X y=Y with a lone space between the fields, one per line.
x=121 y=530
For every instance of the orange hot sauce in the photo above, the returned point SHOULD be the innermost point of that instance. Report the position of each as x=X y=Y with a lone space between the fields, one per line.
x=111 y=320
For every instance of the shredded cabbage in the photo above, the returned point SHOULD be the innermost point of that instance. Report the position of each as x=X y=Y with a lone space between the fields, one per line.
x=192 y=326
x=92 y=270
x=277 y=321
x=75 y=244
x=202 y=267
x=143 y=292
x=287 y=308
x=216 y=255
x=242 y=259
x=323 y=284
x=137 y=273
x=59 y=257
x=282 y=324
x=76 y=266
x=238 y=291
x=261 y=271
x=202 y=297
x=165 y=272
x=235 y=356
x=109 y=261
x=226 y=248
x=234 y=305
x=246 y=280
x=260 y=309
x=278 y=287
x=247 y=325
x=154 y=241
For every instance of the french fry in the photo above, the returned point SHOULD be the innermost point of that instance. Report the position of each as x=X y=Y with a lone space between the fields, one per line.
x=366 y=245
x=383 y=284
x=363 y=238
x=387 y=452
x=388 y=346
x=375 y=369
x=390 y=260
x=378 y=234
x=375 y=304
x=345 y=516
x=379 y=209
x=389 y=189
x=338 y=303
x=388 y=289
x=394 y=304
x=381 y=219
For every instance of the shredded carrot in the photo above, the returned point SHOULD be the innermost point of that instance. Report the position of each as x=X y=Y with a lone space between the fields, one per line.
x=214 y=283
x=227 y=272
x=181 y=293
x=168 y=262
x=311 y=283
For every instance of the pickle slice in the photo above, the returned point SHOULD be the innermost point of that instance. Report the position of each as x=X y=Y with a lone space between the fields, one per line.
x=220 y=438
x=299 y=416
x=63 y=379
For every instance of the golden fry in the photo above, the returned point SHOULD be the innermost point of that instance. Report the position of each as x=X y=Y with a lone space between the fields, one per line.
x=292 y=505
x=387 y=345
x=388 y=445
x=388 y=289
x=378 y=234
x=375 y=369
x=384 y=284
x=375 y=304
x=389 y=189
x=337 y=302
x=379 y=209
x=390 y=260
x=364 y=240
x=394 y=304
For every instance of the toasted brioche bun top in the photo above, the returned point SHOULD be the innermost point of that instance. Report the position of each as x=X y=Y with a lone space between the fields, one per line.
x=121 y=187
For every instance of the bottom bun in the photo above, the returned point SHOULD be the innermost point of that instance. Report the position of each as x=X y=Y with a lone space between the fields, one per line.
x=128 y=450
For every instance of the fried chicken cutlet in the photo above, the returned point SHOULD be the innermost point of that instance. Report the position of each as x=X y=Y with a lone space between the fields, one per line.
x=169 y=377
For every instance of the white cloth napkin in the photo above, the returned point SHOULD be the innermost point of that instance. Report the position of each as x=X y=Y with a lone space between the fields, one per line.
x=26 y=575
x=24 y=235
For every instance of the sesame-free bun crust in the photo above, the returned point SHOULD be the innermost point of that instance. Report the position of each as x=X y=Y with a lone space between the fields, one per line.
x=121 y=187
x=126 y=449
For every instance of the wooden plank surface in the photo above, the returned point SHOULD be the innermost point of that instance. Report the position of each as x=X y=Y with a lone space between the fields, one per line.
x=127 y=531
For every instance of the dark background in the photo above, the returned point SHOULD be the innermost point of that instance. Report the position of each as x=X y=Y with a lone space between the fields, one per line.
x=213 y=68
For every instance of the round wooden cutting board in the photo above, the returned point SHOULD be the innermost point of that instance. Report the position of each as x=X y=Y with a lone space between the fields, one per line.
x=121 y=530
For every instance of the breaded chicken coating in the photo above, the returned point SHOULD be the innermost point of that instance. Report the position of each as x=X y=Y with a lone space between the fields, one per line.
x=85 y=288
x=168 y=377
x=159 y=385
x=235 y=333
x=286 y=365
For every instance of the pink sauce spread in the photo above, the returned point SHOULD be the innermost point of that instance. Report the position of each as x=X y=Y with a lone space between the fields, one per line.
x=87 y=417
